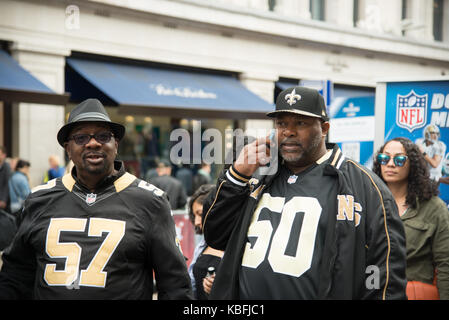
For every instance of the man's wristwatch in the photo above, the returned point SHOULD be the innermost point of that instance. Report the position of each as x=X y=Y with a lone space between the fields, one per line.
x=424 y=154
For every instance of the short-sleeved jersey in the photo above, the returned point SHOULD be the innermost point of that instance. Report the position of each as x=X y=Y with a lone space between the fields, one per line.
x=286 y=237
x=74 y=244
x=437 y=148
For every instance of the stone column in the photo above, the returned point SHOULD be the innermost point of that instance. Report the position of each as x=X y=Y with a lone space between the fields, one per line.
x=36 y=125
x=262 y=85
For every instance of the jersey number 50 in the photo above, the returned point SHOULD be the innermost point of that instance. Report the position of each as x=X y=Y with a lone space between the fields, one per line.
x=93 y=276
x=280 y=262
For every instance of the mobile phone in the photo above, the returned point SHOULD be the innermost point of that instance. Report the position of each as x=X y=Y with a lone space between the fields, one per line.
x=272 y=135
x=272 y=138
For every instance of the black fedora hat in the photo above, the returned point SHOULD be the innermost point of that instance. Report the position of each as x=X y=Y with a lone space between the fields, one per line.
x=90 y=110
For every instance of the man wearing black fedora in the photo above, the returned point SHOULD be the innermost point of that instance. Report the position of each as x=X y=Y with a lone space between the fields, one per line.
x=320 y=227
x=97 y=232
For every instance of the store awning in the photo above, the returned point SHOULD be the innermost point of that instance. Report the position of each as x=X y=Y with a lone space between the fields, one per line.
x=158 y=91
x=18 y=85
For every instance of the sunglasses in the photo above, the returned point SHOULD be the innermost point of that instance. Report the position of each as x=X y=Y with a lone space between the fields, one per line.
x=84 y=138
x=383 y=159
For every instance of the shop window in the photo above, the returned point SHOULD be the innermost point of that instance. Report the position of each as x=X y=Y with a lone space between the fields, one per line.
x=317 y=8
x=405 y=15
x=355 y=13
x=438 y=20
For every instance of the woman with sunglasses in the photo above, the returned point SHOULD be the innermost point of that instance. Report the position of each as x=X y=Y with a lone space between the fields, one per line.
x=204 y=255
x=402 y=167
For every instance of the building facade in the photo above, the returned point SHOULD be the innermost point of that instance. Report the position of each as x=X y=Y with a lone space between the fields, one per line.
x=353 y=43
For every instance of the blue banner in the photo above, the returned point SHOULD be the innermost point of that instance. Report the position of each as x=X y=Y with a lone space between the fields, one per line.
x=352 y=127
x=419 y=111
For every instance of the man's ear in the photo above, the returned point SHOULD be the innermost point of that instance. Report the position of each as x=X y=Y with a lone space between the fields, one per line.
x=66 y=148
x=116 y=147
x=325 y=125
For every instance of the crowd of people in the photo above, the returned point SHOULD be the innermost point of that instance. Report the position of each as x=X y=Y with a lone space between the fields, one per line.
x=321 y=227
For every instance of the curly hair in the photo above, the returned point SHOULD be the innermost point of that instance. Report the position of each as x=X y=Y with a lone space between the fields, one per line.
x=199 y=195
x=420 y=186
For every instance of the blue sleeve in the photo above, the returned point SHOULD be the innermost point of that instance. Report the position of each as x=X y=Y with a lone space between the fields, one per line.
x=23 y=188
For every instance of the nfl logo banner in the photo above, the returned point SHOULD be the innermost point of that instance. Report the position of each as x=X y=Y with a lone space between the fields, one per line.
x=411 y=111
x=410 y=108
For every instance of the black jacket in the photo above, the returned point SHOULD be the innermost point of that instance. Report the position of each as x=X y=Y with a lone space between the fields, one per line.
x=353 y=244
x=173 y=188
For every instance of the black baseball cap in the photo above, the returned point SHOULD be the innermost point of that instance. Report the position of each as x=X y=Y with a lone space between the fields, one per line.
x=90 y=110
x=301 y=100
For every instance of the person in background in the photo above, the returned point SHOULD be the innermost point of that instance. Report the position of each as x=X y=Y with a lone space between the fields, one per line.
x=204 y=256
x=8 y=228
x=5 y=173
x=19 y=186
x=185 y=175
x=8 y=223
x=202 y=176
x=12 y=163
x=170 y=185
x=55 y=171
x=151 y=172
x=433 y=150
x=400 y=163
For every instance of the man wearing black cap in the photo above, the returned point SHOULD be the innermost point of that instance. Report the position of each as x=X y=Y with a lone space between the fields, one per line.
x=320 y=227
x=97 y=232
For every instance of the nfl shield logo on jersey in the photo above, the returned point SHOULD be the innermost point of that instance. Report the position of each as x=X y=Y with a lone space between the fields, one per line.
x=292 y=179
x=90 y=198
x=411 y=111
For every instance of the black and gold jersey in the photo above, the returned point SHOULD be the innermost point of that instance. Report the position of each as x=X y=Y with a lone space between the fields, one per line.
x=286 y=237
x=74 y=244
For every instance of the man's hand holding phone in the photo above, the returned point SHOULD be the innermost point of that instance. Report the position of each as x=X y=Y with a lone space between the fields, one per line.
x=254 y=155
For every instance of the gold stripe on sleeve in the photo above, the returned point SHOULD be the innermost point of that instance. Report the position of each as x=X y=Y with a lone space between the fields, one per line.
x=387 y=262
x=235 y=174
x=213 y=203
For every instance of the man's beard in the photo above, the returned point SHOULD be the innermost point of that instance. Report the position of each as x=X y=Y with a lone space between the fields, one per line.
x=96 y=170
x=302 y=158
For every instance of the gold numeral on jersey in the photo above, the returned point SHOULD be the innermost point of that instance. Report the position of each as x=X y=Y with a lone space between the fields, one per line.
x=94 y=274
x=279 y=261
x=262 y=230
x=71 y=251
x=301 y=262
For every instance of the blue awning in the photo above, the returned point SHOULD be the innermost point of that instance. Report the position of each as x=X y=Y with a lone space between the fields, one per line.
x=163 y=91
x=17 y=84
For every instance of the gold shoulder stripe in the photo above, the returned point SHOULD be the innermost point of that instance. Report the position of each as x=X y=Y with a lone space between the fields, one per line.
x=50 y=184
x=387 y=262
x=337 y=154
x=326 y=156
x=68 y=181
x=124 y=181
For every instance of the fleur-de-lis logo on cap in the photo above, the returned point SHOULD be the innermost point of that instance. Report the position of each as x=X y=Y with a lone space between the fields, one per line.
x=292 y=97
